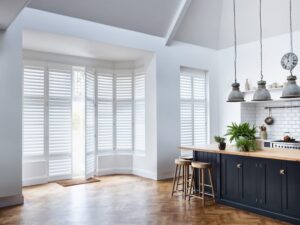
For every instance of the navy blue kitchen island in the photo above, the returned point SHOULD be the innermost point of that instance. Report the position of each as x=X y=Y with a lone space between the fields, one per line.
x=266 y=182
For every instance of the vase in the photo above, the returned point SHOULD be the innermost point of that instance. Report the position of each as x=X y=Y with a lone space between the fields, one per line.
x=247 y=85
x=263 y=135
x=222 y=146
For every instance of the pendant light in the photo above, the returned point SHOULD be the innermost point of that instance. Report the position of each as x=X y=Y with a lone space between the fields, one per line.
x=261 y=94
x=289 y=62
x=235 y=95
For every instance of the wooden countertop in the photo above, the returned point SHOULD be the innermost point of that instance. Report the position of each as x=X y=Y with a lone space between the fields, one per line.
x=279 y=154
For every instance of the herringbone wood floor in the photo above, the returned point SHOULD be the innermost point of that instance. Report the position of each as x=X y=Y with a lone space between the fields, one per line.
x=119 y=200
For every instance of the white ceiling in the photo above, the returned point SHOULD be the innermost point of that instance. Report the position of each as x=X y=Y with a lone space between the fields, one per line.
x=206 y=23
x=9 y=9
x=58 y=44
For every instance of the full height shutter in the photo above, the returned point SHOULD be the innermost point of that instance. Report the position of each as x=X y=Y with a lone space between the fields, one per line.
x=186 y=110
x=60 y=122
x=124 y=112
x=105 y=112
x=33 y=111
x=89 y=124
x=193 y=116
x=139 y=112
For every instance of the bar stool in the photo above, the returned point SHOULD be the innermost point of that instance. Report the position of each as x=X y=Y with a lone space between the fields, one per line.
x=184 y=166
x=202 y=168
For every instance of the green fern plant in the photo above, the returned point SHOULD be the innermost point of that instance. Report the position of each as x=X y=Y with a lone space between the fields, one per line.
x=246 y=145
x=244 y=130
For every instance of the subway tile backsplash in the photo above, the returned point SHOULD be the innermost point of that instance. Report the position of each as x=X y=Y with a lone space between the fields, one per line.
x=285 y=120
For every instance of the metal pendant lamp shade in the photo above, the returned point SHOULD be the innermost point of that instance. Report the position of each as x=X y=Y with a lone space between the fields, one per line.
x=261 y=93
x=291 y=90
x=235 y=95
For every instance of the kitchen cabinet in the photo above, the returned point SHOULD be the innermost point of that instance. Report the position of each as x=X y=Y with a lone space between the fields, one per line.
x=291 y=188
x=230 y=176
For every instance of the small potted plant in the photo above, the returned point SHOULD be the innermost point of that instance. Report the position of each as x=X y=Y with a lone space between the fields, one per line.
x=221 y=141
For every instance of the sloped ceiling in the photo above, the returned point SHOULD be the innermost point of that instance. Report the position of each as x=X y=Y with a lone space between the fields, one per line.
x=9 y=9
x=206 y=23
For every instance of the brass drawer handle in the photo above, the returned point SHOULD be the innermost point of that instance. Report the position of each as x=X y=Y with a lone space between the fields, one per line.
x=282 y=172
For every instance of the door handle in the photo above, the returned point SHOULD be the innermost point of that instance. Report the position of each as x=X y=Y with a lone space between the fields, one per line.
x=282 y=172
x=239 y=166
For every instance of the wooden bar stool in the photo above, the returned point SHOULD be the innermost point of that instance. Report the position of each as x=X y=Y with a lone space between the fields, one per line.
x=202 y=193
x=184 y=166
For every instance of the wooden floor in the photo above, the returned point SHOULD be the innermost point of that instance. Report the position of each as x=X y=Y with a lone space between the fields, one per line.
x=119 y=200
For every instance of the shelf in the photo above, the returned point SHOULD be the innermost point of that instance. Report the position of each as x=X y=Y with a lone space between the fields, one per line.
x=271 y=90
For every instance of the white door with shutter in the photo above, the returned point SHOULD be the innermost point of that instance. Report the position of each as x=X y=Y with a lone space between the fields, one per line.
x=90 y=135
x=60 y=122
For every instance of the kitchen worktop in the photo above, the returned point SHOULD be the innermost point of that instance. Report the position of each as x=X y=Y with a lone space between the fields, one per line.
x=279 y=154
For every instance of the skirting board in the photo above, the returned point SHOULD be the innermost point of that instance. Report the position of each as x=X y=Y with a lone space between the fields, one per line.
x=34 y=181
x=137 y=172
x=11 y=200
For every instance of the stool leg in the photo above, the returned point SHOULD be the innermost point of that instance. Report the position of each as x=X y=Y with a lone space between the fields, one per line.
x=202 y=184
x=174 y=181
x=191 y=185
x=183 y=181
x=211 y=183
x=178 y=180
x=187 y=177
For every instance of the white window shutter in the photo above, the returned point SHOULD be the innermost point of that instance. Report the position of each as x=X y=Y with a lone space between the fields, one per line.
x=90 y=124
x=105 y=112
x=33 y=111
x=139 y=112
x=193 y=108
x=124 y=112
x=60 y=122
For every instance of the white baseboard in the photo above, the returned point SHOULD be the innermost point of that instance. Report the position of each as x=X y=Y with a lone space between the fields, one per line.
x=137 y=172
x=144 y=173
x=111 y=171
x=11 y=200
x=34 y=181
x=165 y=175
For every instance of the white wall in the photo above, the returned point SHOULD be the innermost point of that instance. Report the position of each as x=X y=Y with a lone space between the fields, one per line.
x=248 y=66
x=11 y=112
x=168 y=62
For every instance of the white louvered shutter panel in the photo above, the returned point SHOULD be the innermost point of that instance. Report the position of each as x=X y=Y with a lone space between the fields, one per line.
x=200 y=117
x=60 y=122
x=193 y=125
x=124 y=112
x=139 y=112
x=105 y=115
x=33 y=111
x=186 y=110
x=89 y=124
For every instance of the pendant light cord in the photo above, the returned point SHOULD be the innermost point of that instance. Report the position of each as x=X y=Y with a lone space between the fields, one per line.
x=261 y=47
x=291 y=27
x=235 y=51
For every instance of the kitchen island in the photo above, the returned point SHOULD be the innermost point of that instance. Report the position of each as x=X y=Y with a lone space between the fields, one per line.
x=265 y=181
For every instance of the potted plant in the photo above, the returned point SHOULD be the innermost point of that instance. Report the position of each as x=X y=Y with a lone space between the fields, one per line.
x=221 y=141
x=244 y=136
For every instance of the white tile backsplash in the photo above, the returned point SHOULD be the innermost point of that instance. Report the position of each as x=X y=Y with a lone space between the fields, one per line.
x=285 y=120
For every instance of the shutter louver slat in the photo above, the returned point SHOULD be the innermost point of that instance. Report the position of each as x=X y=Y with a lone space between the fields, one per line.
x=33 y=111
x=60 y=123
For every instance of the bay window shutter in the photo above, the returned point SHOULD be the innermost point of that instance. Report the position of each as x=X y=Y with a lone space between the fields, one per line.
x=124 y=112
x=89 y=124
x=33 y=111
x=60 y=122
x=139 y=112
x=105 y=112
